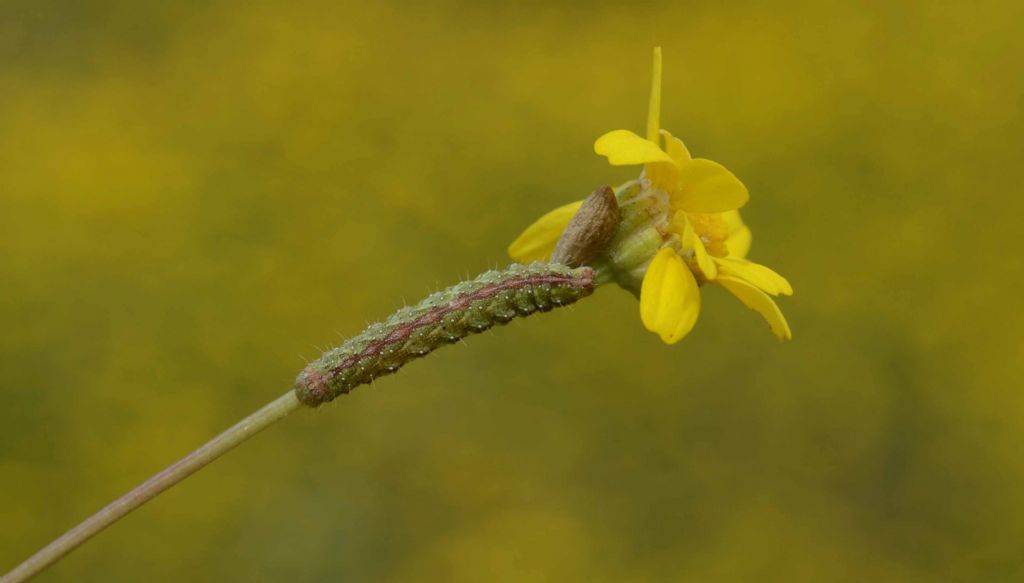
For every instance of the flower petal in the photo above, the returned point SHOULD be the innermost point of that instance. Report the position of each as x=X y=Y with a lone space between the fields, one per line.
x=704 y=261
x=669 y=297
x=764 y=278
x=734 y=220
x=654 y=105
x=624 y=148
x=663 y=175
x=539 y=239
x=707 y=187
x=691 y=242
x=676 y=148
x=739 y=235
x=739 y=244
x=758 y=301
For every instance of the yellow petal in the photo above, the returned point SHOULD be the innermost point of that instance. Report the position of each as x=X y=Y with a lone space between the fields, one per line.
x=758 y=301
x=669 y=297
x=704 y=262
x=623 y=148
x=691 y=242
x=676 y=148
x=654 y=105
x=539 y=239
x=663 y=175
x=764 y=278
x=739 y=235
x=739 y=244
x=734 y=220
x=707 y=187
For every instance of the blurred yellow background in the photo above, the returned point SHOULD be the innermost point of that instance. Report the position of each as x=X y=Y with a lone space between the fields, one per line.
x=197 y=197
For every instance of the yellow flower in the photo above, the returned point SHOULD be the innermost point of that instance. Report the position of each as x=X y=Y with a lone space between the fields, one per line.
x=680 y=229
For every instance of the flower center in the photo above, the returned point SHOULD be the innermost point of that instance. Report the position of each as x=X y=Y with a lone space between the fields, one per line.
x=713 y=232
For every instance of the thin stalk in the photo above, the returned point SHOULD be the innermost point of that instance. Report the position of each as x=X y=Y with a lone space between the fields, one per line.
x=149 y=489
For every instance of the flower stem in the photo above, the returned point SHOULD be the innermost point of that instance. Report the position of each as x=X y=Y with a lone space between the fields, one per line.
x=183 y=468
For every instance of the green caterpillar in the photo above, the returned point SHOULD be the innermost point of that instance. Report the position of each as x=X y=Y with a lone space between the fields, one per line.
x=470 y=307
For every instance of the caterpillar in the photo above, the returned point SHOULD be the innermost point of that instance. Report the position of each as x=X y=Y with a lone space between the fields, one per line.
x=470 y=307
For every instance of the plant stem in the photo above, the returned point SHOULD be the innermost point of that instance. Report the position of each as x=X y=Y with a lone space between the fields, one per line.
x=183 y=468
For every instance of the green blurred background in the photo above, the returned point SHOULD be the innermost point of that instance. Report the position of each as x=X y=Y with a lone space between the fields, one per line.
x=196 y=197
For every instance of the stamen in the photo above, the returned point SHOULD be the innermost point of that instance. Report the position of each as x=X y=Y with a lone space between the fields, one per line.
x=713 y=232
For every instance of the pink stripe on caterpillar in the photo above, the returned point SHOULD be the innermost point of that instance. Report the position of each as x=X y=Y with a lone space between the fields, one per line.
x=403 y=332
